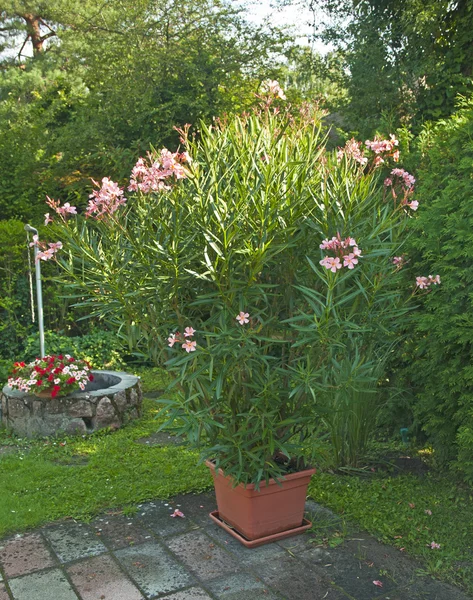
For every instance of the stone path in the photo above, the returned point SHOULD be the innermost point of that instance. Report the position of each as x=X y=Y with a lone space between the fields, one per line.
x=151 y=556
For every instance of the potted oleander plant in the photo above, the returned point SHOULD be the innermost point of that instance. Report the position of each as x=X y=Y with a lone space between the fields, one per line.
x=263 y=270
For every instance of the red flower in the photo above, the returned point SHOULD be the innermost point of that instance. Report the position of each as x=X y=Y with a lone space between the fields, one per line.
x=71 y=380
x=91 y=377
x=55 y=391
x=39 y=382
x=60 y=357
x=71 y=359
x=51 y=377
x=57 y=370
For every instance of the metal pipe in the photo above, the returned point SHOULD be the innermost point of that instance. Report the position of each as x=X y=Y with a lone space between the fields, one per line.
x=39 y=292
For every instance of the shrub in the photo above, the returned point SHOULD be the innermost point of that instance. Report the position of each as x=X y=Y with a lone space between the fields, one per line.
x=437 y=362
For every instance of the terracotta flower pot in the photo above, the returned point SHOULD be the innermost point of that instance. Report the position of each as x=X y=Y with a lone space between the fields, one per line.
x=44 y=393
x=276 y=508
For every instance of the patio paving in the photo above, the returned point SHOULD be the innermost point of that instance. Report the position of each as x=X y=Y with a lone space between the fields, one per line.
x=153 y=556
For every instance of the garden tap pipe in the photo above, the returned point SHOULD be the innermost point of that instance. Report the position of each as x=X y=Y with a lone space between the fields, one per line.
x=39 y=292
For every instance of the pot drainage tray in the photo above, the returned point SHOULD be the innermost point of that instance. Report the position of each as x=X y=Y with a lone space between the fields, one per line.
x=263 y=540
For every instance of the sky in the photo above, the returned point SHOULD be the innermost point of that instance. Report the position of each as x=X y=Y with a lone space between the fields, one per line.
x=299 y=18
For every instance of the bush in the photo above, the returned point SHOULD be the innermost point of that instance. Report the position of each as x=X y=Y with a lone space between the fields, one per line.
x=437 y=362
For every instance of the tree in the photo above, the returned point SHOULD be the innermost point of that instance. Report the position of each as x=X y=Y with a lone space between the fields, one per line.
x=104 y=82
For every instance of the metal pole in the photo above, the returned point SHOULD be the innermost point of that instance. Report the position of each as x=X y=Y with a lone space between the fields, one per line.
x=39 y=292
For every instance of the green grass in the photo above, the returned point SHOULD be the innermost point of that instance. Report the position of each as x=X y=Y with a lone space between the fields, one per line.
x=393 y=509
x=46 y=480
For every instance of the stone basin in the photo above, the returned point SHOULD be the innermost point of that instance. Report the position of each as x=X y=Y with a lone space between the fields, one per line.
x=112 y=399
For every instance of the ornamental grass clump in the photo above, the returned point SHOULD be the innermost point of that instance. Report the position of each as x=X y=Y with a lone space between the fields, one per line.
x=258 y=266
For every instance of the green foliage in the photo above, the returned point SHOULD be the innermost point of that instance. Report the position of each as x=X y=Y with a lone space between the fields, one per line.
x=108 y=83
x=437 y=362
x=77 y=477
x=101 y=348
x=408 y=57
x=242 y=231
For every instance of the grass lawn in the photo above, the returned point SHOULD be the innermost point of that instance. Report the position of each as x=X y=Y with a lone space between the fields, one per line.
x=46 y=480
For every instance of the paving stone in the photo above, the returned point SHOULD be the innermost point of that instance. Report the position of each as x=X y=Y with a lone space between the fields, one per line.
x=153 y=569
x=295 y=580
x=199 y=552
x=25 y=554
x=50 y=585
x=100 y=577
x=73 y=540
x=4 y=595
x=246 y=556
x=355 y=575
x=157 y=517
x=117 y=531
x=161 y=438
x=197 y=507
x=241 y=587
x=190 y=594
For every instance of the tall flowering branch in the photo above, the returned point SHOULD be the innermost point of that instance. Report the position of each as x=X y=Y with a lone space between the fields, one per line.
x=62 y=211
x=399 y=178
x=383 y=149
x=45 y=251
x=353 y=150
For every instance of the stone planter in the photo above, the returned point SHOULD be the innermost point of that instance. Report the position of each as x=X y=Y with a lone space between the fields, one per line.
x=111 y=400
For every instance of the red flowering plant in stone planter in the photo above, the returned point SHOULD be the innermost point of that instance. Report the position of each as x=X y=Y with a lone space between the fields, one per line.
x=52 y=375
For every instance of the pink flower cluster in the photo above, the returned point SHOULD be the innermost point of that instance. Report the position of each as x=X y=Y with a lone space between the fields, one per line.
x=385 y=147
x=398 y=261
x=341 y=249
x=424 y=282
x=354 y=150
x=272 y=87
x=47 y=251
x=187 y=344
x=407 y=179
x=151 y=177
x=106 y=200
x=62 y=211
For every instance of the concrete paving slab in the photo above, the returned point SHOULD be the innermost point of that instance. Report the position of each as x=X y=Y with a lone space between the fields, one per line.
x=157 y=517
x=71 y=541
x=241 y=587
x=202 y=555
x=245 y=556
x=425 y=588
x=46 y=585
x=25 y=554
x=190 y=594
x=100 y=578
x=197 y=507
x=3 y=593
x=296 y=580
x=117 y=531
x=153 y=569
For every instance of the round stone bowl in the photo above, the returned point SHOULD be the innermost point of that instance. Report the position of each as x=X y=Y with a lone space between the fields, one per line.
x=110 y=400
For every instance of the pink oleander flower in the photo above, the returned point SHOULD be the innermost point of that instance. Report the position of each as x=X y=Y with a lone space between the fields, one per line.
x=379 y=145
x=408 y=179
x=172 y=339
x=55 y=246
x=189 y=332
x=422 y=283
x=398 y=261
x=242 y=318
x=428 y=511
x=60 y=210
x=434 y=546
x=333 y=264
x=189 y=346
x=435 y=280
x=150 y=177
x=352 y=149
x=350 y=261
x=47 y=219
x=396 y=156
x=414 y=205
x=177 y=513
x=106 y=200
x=388 y=182
x=272 y=87
x=378 y=583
